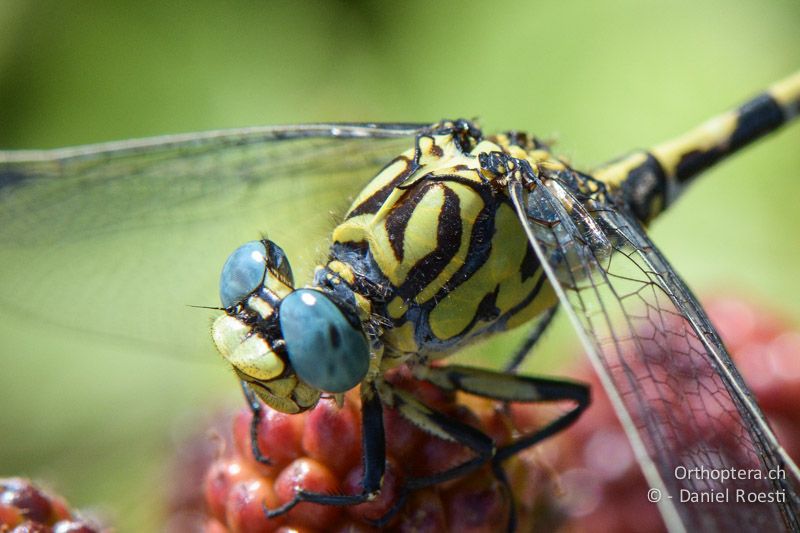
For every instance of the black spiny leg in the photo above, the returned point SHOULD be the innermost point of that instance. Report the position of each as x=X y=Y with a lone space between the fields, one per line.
x=373 y=460
x=530 y=341
x=444 y=427
x=258 y=413
x=500 y=475
x=511 y=388
x=441 y=426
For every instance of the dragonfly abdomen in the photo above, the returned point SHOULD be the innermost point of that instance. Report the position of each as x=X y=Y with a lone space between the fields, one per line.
x=650 y=180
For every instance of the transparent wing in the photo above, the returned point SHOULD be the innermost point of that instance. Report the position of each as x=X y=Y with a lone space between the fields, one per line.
x=669 y=377
x=119 y=239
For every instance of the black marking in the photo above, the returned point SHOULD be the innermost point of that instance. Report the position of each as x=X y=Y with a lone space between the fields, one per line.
x=372 y=204
x=501 y=324
x=756 y=118
x=519 y=138
x=524 y=140
x=448 y=240
x=483 y=229
x=466 y=134
x=278 y=263
x=759 y=116
x=334 y=337
x=530 y=264
x=694 y=162
x=397 y=220
x=369 y=280
x=644 y=186
x=487 y=308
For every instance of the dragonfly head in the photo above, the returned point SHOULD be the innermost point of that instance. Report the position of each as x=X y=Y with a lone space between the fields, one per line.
x=290 y=345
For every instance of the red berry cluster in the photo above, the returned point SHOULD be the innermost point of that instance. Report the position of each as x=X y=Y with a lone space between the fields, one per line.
x=25 y=508
x=602 y=486
x=320 y=451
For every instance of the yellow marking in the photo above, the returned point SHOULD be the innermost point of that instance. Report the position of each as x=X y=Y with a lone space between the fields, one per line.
x=453 y=314
x=287 y=395
x=339 y=399
x=228 y=333
x=426 y=145
x=279 y=288
x=376 y=365
x=614 y=174
x=502 y=140
x=353 y=230
x=656 y=206
x=344 y=271
x=551 y=164
x=517 y=151
x=382 y=179
x=419 y=238
x=497 y=385
x=485 y=146
x=282 y=387
x=513 y=292
x=787 y=93
x=471 y=205
x=712 y=134
x=282 y=404
x=305 y=395
x=419 y=415
x=401 y=339
x=540 y=303
x=256 y=359
x=364 y=306
x=260 y=306
x=396 y=308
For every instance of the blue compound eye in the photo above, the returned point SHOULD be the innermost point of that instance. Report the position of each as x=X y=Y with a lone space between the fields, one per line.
x=325 y=349
x=243 y=273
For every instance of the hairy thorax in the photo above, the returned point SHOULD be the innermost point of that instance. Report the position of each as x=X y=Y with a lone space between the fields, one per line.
x=433 y=249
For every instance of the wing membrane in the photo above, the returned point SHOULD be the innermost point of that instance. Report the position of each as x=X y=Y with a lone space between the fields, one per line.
x=117 y=239
x=669 y=377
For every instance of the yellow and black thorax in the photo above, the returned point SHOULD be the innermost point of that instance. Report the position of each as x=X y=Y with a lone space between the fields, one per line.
x=432 y=249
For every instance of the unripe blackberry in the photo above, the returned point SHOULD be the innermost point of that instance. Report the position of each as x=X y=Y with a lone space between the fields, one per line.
x=320 y=451
x=26 y=508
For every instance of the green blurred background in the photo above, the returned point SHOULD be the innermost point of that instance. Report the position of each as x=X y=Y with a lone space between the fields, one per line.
x=601 y=78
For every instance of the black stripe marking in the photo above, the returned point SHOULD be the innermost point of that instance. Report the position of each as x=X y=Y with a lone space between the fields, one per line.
x=448 y=240
x=530 y=264
x=372 y=204
x=480 y=243
x=486 y=311
x=525 y=301
x=487 y=308
x=756 y=118
x=643 y=186
x=398 y=218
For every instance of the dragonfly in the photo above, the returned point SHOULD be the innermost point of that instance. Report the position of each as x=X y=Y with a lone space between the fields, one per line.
x=455 y=236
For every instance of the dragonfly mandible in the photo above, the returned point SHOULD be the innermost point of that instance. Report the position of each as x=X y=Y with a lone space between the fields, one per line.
x=405 y=283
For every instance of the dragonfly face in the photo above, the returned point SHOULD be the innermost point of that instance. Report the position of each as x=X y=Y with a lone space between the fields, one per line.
x=288 y=345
